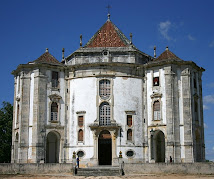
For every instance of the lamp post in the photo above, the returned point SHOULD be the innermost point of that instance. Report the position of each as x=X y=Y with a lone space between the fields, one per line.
x=152 y=145
x=43 y=134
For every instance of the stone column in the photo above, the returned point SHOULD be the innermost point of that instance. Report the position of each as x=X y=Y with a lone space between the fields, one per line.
x=24 y=117
x=114 y=149
x=187 y=117
x=169 y=78
x=94 y=159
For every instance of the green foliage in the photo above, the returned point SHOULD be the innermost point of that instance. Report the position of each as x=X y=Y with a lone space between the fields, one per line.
x=6 y=120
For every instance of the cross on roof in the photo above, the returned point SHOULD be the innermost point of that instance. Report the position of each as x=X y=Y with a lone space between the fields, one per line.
x=108 y=7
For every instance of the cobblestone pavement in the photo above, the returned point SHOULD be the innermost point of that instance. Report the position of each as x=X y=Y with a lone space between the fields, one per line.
x=144 y=176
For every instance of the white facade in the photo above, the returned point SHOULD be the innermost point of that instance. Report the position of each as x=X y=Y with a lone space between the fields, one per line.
x=101 y=101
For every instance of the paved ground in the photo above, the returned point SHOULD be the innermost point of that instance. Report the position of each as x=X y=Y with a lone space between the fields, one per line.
x=145 y=176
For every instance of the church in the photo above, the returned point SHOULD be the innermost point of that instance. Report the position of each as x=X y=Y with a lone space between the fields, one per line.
x=108 y=100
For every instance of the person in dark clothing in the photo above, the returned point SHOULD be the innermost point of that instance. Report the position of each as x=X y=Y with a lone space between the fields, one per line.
x=78 y=162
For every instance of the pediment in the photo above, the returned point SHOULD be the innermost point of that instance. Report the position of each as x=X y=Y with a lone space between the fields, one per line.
x=55 y=97
x=156 y=95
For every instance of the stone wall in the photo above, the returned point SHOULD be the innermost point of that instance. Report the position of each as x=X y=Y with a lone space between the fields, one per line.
x=35 y=168
x=182 y=168
x=131 y=168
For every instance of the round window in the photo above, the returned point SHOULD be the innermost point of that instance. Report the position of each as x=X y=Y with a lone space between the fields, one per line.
x=130 y=153
x=80 y=153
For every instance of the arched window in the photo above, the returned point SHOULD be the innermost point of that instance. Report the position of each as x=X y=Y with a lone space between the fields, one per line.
x=80 y=135
x=17 y=115
x=156 y=110
x=54 y=111
x=105 y=114
x=129 y=134
x=105 y=89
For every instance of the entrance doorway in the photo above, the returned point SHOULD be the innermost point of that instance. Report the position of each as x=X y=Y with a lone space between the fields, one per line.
x=52 y=149
x=160 y=147
x=105 y=148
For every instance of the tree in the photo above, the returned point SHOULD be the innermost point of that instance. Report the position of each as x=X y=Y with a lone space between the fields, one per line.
x=6 y=121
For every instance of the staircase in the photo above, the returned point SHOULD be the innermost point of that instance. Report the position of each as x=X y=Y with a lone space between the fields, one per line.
x=98 y=171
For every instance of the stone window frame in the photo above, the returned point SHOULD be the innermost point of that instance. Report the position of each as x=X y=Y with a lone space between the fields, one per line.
x=82 y=151
x=153 y=111
x=55 y=80
x=133 y=114
x=134 y=153
x=109 y=100
x=80 y=113
x=159 y=80
x=54 y=98
x=106 y=116
x=110 y=86
x=53 y=115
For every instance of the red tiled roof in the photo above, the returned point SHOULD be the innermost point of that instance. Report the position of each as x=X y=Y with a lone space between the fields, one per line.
x=108 y=36
x=48 y=59
x=168 y=55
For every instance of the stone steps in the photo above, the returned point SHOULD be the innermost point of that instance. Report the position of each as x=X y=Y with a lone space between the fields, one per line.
x=98 y=171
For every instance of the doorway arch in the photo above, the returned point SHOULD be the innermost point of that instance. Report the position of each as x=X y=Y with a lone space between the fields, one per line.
x=105 y=148
x=52 y=149
x=159 y=147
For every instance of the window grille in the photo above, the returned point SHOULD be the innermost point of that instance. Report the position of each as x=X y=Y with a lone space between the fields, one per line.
x=156 y=110
x=104 y=89
x=105 y=114
x=54 y=111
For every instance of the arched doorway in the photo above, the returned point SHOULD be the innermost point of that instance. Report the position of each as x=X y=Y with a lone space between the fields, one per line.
x=160 y=147
x=52 y=147
x=105 y=148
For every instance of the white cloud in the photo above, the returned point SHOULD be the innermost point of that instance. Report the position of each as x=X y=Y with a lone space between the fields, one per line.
x=205 y=126
x=164 y=29
x=211 y=44
x=190 y=37
x=209 y=99
x=205 y=107
x=213 y=148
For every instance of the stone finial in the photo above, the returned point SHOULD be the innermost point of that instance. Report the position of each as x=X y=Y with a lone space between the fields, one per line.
x=130 y=38
x=167 y=48
x=108 y=16
x=46 y=50
x=63 y=53
x=120 y=155
x=80 y=40
x=154 y=51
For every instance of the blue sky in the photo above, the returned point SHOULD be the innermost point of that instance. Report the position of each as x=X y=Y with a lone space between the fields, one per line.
x=187 y=27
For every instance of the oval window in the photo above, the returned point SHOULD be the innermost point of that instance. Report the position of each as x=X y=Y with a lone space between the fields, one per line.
x=80 y=153
x=130 y=153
